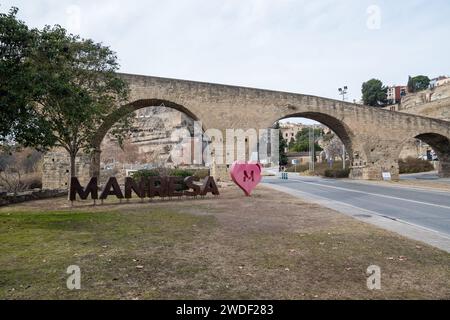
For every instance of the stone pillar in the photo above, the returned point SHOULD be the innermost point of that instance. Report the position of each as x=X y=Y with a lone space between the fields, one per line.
x=381 y=157
x=444 y=166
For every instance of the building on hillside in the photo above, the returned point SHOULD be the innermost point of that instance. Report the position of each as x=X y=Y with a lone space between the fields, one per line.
x=289 y=130
x=431 y=103
x=395 y=94
x=439 y=81
x=393 y=107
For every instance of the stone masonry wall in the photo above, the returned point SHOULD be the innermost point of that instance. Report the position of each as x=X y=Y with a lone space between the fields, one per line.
x=56 y=168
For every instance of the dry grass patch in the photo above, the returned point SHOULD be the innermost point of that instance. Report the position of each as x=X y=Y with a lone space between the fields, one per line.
x=271 y=246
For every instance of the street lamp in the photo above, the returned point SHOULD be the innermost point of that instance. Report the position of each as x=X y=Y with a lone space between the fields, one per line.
x=343 y=91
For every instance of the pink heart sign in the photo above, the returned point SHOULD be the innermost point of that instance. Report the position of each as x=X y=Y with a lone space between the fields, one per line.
x=246 y=175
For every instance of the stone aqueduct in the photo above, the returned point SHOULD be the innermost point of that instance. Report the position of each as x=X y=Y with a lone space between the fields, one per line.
x=373 y=137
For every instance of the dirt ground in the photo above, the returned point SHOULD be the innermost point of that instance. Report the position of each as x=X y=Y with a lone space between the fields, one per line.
x=269 y=246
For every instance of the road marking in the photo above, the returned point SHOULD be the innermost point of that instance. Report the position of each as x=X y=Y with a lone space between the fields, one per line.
x=374 y=184
x=379 y=195
x=406 y=187
x=321 y=200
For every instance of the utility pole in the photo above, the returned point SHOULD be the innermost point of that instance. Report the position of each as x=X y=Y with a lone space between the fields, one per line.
x=343 y=91
x=312 y=152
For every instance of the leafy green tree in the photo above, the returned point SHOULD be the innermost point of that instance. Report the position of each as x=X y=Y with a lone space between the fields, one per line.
x=302 y=140
x=81 y=88
x=301 y=146
x=56 y=89
x=291 y=144
x=20 y=86
x=282 y=144
x=418 y=83
x=422 y=82
x=374 y=93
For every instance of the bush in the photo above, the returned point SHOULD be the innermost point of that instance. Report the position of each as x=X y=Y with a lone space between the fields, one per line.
x=413 y=165
x=337 y=173
x=163 y=172
x=145 y=174
x=320 y=168
x=180 y=173
x=14 y=181
x=33 y=181
x=201 y=173
x=298 y=168
x=177 y=172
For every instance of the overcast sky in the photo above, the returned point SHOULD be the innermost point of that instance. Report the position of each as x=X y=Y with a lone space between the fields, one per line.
x=310 y=47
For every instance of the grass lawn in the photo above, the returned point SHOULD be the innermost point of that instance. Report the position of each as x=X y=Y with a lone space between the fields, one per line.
x=271 y=246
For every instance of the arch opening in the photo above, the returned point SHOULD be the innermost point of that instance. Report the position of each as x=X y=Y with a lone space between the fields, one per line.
x=425 y=153
x=161 y=136
x=334 y=142
x=133 y=107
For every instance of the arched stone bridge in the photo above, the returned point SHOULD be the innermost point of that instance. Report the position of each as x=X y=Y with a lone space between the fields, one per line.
x=373 y=137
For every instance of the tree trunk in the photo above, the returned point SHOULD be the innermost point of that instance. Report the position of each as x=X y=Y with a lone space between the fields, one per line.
x=72 y=170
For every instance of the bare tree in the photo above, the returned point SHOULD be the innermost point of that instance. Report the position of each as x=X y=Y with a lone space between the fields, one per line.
x=334 y=148
x=11 y=179
x=19 y=169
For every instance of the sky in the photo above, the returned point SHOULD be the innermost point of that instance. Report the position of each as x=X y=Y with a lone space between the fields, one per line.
x=310 y=47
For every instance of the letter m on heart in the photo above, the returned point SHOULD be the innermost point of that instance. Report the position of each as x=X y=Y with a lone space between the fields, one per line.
x=247 y=177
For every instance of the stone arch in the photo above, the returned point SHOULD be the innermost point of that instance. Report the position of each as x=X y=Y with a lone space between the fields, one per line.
x=440 y=144
x=356 y=152
x=120 y=113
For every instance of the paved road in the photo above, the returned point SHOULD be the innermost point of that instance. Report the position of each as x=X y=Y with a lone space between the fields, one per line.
x=432 y=176
x=425 y=208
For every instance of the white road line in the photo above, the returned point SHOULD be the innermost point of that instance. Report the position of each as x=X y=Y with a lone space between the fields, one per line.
x=404 y=187
x=373 y=184
x=329 y=204
x=379 y=195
